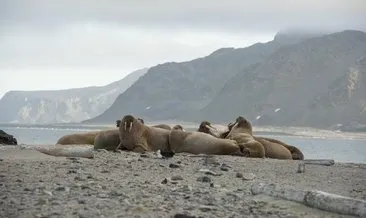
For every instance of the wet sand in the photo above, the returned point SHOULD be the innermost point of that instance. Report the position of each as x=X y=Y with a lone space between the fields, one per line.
x=127 y=184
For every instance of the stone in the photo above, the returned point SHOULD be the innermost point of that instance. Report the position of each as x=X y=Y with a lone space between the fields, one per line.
x=204 y=179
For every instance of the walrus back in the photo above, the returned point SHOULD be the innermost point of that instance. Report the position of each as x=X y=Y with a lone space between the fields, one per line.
x=78 y=138
x=107 y=139
x=202 y=143
x=274 y=150
x=295 y=152
x=163 y=126
x=157 y=138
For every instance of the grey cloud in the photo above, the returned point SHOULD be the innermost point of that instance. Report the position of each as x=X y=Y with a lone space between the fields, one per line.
x=234 y=15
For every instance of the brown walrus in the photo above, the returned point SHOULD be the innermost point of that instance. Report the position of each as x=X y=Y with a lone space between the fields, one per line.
x=107 y=139
x=201 y=143
x=136 y=136
x=78 y=138
x=271 y=149
x=241 y=132
x=295 y=152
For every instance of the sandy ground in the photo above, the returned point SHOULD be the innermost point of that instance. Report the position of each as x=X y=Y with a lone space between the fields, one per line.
x=127 y=184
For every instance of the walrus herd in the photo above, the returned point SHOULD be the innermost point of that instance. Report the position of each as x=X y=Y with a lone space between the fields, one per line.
x=132 y=134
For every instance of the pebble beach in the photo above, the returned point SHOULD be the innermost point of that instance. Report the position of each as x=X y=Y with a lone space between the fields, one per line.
x=126 y=184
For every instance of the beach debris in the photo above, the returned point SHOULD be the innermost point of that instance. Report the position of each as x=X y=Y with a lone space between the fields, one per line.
x=314 y=198
x=324 y=162
x=84 y=151
x=301 y=168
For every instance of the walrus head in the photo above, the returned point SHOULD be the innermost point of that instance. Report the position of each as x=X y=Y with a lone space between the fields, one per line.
x=243 y=123
x=118 y=122
x=178 y=127
x=128 y=122
x=205 y=127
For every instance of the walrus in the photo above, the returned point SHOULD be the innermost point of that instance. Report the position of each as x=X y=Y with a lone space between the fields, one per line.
x=241 y=132
x=206 y=127
x=136 y=136
x=107 y=139
x=201 y=143
x=271 y=149
x=295 y=152
x=78 y=138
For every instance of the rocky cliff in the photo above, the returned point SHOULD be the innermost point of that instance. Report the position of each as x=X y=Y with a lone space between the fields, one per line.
x=318 y=82
x=178 y=91
x=60 y=106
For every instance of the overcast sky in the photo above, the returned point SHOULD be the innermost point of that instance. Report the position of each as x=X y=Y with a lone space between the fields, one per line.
x=49 y=44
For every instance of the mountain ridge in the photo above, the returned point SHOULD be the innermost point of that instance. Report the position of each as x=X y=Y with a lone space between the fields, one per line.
x=62 y=106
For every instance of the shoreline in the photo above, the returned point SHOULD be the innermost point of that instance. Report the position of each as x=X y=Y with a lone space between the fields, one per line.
x=307 y=132
x=128 y=184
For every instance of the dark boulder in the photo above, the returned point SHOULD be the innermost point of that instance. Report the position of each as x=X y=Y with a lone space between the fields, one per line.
x=7 y=139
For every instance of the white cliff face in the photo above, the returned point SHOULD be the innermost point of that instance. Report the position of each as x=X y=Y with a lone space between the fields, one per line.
x=62 y=106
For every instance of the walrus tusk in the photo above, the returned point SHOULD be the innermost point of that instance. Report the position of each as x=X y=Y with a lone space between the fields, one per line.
x=125 y=125
x=210 y=127
x=130 y=127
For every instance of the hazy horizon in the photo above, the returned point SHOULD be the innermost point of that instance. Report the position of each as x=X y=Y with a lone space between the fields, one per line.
x=73 y=44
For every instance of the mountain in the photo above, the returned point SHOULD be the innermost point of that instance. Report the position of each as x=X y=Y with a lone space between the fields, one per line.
x=318 y=82
x=176 y=91
x=60 y=106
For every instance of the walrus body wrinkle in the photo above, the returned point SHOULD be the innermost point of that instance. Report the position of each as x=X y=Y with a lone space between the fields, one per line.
x=201 y=143
x=135 y=136
x=78 y=138
x=107 y=139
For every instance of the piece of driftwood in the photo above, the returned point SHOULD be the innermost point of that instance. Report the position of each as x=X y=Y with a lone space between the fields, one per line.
x=314 y=198
x=85 y=151
x=324 y=162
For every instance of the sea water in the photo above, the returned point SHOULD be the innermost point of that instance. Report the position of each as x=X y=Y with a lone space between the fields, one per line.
x=341 y=150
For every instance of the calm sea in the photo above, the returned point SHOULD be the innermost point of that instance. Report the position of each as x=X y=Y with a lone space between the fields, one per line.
x=341 y=150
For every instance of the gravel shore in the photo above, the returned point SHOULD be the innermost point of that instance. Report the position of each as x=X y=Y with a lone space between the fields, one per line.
x=128 y=184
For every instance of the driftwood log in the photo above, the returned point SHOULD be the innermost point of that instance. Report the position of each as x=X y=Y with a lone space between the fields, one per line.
x=314 y=198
